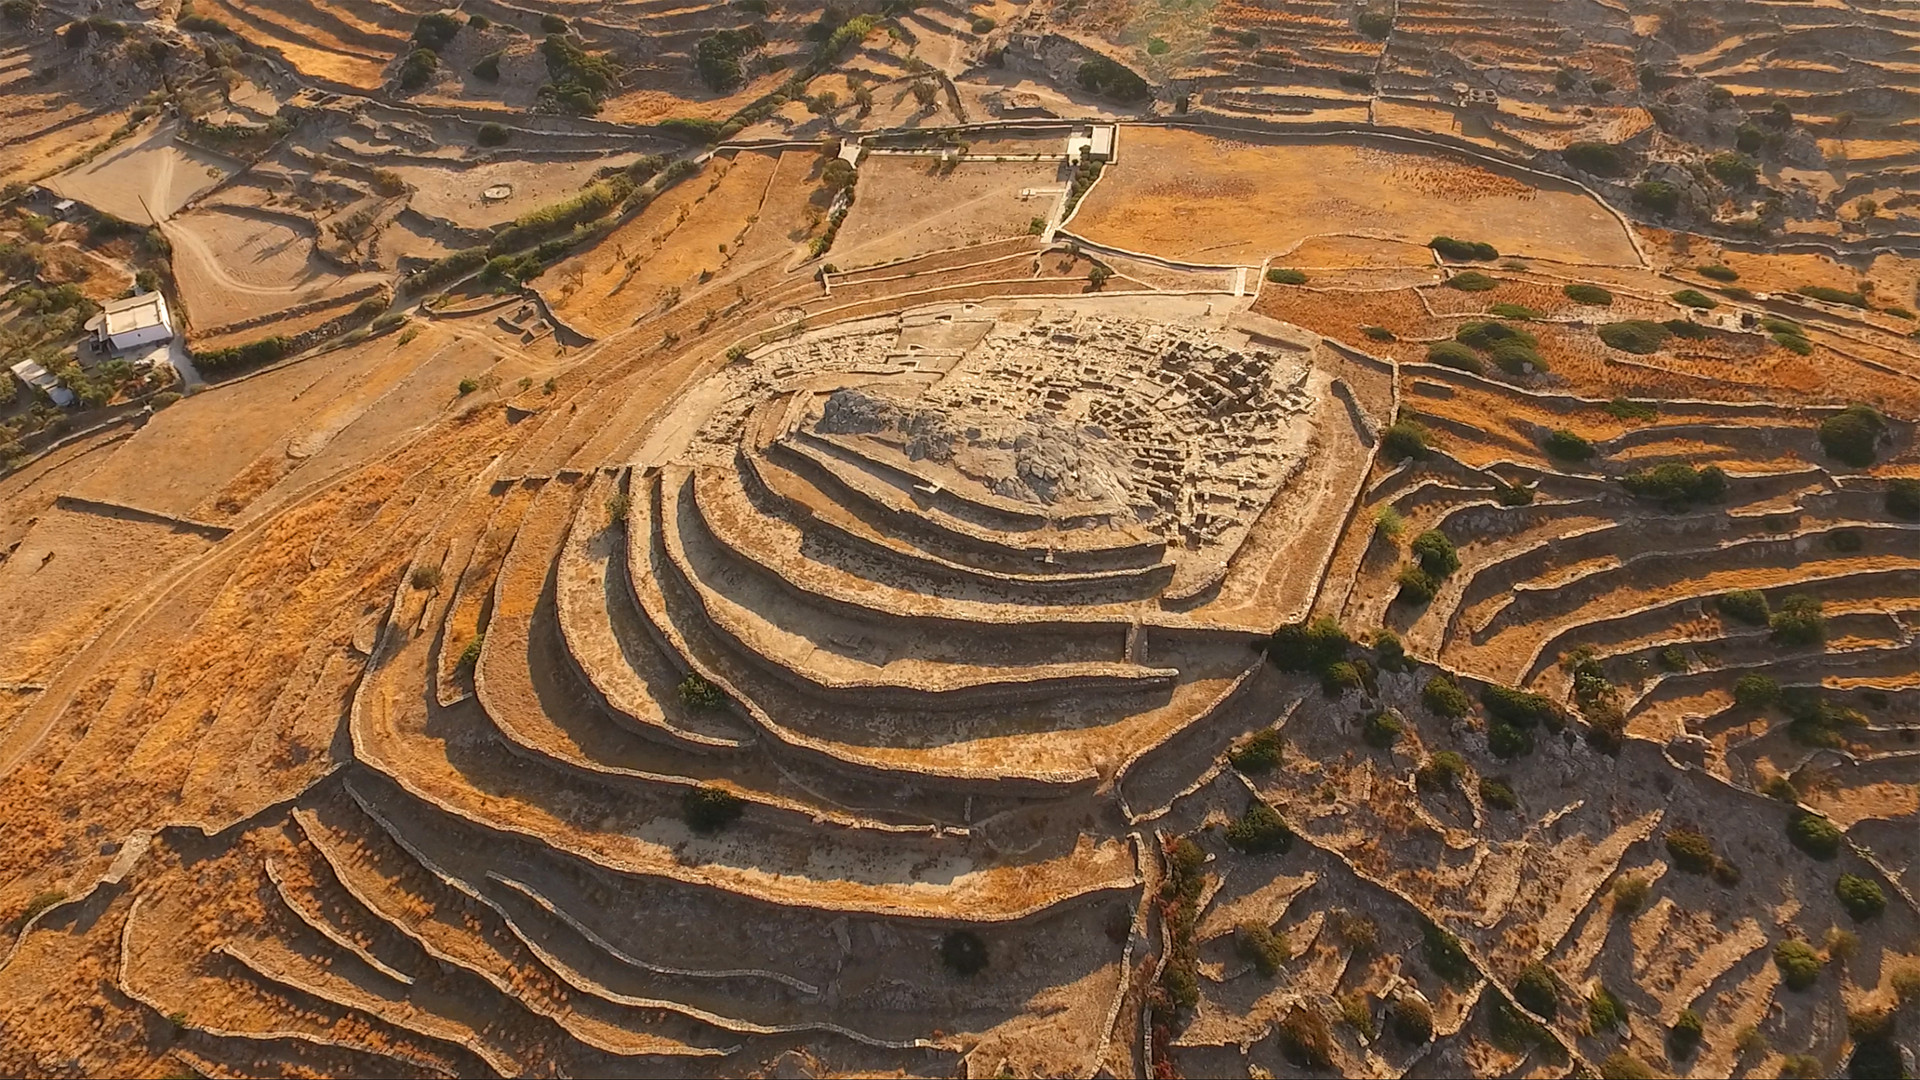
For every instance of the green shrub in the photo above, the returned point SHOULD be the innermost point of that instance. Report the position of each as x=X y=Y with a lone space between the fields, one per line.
x=1814 y=834
x=1621 y=1065
x=1686 y=328
x=1625 y=409
x=1508 y=741
x=1677 y=486
x=1261 y=947
x=963 y=953
x=1903 y=499
x=1756 y=691
x=1455 y=355
x=1735 y=292
x=1596 y=158
x=1446 y=956
x=1591 y=295
x=1411 y=1019
x=488 y=69
x=1799 y=621
x=1734 y=170
x=1746 y=605
x=698 y=693
x=1862 y=897
x=1441 y=772
x=1445 y=698
x=1780 y=787
x=1360 y=933
x=1683 y=1038
x=1850 y=298
x=1802 y=1067
x=1108 y=79
x=984 y=25
x=1513 y=311
x=1382 y=730
x=1657 y=196
x=1472 y=281
x=1512 y=494
x=418 y=68
x=692 y=129
x=1389 y=523
x=1389 y=652
x=1436 y=553
x=1799 y=965
x=492 y=134
x=1403 y=440
x=1343 y=676
x=1260 y=832
x=1692 y=851
x=1311 y=646
x=1285 y=276
x=1637 y=336
x=1568 y=446
x=1517 y=359
x=1375 y=24
x=470 y=656
x=1463 y=250
x=1718 y=272
x=1259 y=754
x=1379 y=333
x=1522 y=709
x=1604 y=1011
x=1306 y=1039
x=1537 y=991
x=1630 y=894
x=1852 y=435
x=1694 y=298
x=1416 y=585
x=708 y=809
x=1498 y=794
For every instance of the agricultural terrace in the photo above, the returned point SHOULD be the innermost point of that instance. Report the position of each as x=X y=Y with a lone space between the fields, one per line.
x=1203 y=198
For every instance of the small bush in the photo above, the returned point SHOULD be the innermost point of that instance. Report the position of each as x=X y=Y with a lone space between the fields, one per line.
x=488 y=69
x=1852 y=436
x=1389 y=652
x=1472 y=281
x=492 y=134
x=1799 y=621
x=1636 y=336
x=1436 y=553
x=1306 y=1039
x=1455 y=355
x=1718 y=272
x=425 y=578
x=1694 y=298
x=1441 y=772
x=619 y=506
x=1692 y=851
x=1445 y=698
x=1411 y=1019
x=984 y=25
x=1260 y=832
x=1537 y=991
x=470 y=656
x=1375 y=24
x=1497 y=794
x=1802 y=1067
x=1657 y=196
x=701 y=694
x=1357 y=1012
x=1416 y=585
x=1903 y=499
x=1485 y=334
x=1862 y=897
x=1630 y=894
x=1746 y=605
x=1360 y=933
x=1596 y=158
x=1259 y=754
x=1261 y=947
x=1446 y=956
x=1625 y=409
x=1677 y=486
x=1405 y=439
x=1734 y=170
x=1463 y=250
x=1308 y=646
x=1799 y=965
x=1379 y=333
x=1522 y=709
x=1517 y=359
x=1847 y=297
x=1568 y=446
x=1756 y=691
x=1621 y=1065
x=1781 y=787
x=1389 y=523
x=1285 y=276
x=1591 y=295
x=1604 y=1011
x=1382 y=730
x=963 y=952
x=1683 y=1038
x=708 y=809
x=1814 y=835
x=1514 y=311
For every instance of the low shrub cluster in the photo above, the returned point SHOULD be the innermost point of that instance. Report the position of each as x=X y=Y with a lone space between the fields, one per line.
x=1862 y=897
x=1259 y=831
x=1472 y=281
x=1445 y=698
x=1259 y=754
x=264 y=351
x=1798 y=621
x=1261 y=947
x=1567 y=445
x=1852 y=436
x=1677 y=486
x=1814 y=834
x=1463 y=250
x=1285 y=276
x=1637 y=336
x=1591 y=295
x=1799 y=965
x=1443 y=771
x=1512 y=716
x=1404 y=440
x=707 y=809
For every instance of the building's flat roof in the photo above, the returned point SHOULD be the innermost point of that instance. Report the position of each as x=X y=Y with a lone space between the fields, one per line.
x=33 y=373
x=131 y=313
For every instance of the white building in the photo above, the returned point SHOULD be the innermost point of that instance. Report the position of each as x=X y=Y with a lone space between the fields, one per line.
x=35 y=377
x=131 y=322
